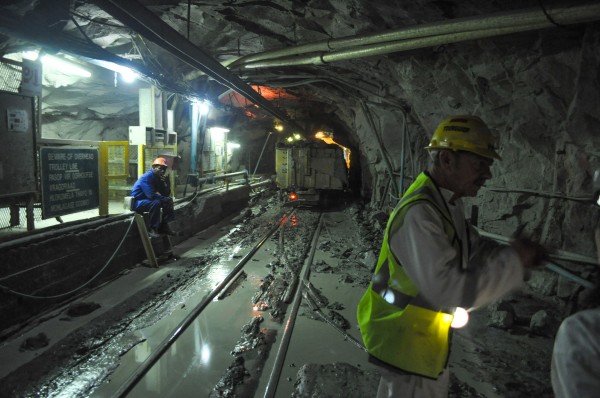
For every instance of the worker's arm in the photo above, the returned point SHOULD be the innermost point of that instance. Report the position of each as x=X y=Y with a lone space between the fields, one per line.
x=146 y=187
x=434 y=265
x=164 y=186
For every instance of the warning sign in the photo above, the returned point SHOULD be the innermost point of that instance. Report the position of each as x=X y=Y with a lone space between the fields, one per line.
x=69 y=180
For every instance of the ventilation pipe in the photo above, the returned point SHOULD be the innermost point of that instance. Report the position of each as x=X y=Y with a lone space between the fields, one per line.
x=428 y=35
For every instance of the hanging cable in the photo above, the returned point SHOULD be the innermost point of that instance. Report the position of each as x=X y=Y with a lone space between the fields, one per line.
x=81 y=30
x=189 y=21
x=113 y=25
x=384 y=154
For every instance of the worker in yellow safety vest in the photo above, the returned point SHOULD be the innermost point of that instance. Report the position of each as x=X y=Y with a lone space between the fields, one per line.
x=433 y=264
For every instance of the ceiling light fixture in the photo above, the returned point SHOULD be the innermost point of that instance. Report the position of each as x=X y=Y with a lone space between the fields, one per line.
x=127 y=74
x=218 y=130
x=31 y=55
x=203 y=107
x=64 y=66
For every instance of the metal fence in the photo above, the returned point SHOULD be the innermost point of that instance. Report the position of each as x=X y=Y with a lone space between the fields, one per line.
x=13 y=213
x=10 y=77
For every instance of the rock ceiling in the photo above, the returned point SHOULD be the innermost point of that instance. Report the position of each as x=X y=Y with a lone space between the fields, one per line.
x=231 y=31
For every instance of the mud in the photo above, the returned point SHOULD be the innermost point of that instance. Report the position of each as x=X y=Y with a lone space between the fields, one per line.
x=503 y=352
x=336 y=380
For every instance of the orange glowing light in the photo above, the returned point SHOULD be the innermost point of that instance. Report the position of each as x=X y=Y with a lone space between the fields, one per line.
x=328 y=138
x=230 y=97
x=293 y=196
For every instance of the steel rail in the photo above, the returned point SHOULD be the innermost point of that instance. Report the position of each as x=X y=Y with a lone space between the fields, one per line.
x=162 y=348
x=291 y=320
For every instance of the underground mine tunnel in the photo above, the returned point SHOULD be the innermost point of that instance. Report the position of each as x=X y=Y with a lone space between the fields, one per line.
x=291 y=130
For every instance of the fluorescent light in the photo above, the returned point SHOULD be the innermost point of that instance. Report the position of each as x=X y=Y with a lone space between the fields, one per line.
x=218 y=130
x=232 y=145
x=31 y=55
x=127 y=74
x=202 y=107
x=64 y=66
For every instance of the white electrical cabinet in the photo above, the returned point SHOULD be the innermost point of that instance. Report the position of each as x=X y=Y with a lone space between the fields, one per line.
x=140 y=135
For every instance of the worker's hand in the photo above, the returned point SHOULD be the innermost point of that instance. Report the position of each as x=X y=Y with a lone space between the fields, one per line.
x=532 y=254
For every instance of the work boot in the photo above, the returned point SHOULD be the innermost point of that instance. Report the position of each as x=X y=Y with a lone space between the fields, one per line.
x=153 y=234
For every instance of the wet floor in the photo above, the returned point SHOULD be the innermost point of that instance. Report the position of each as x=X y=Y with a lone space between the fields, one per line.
x=239 y=346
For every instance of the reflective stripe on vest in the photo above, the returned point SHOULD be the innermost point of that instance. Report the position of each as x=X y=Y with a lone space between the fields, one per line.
x=380 y=285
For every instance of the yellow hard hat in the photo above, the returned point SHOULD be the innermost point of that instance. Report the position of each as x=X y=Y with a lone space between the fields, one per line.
x=160 y=162
x=465 y=133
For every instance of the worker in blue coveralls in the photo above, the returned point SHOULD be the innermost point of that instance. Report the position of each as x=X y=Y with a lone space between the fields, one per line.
x=152 y=193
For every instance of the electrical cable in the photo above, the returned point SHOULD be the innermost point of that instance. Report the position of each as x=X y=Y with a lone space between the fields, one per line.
x=7 y=289
x=384 y=154
x=541 y=194
x=81 y=30
x=412 y=160
x=188 y=202
x=327 y=79
x=98 y=22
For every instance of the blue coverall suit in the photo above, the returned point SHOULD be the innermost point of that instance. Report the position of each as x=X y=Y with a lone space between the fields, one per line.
x=152 y=193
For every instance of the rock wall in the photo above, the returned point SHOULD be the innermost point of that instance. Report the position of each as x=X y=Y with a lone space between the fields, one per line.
x=539 y=93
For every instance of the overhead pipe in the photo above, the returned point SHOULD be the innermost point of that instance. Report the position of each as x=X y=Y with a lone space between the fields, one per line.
x=388 y=47
x=466 y=28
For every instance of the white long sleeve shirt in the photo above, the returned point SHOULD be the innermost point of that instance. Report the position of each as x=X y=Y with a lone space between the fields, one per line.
x=575 y=371
x=486 y=272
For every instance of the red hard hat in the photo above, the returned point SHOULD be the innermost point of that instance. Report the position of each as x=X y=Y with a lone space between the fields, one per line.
x=160 y=162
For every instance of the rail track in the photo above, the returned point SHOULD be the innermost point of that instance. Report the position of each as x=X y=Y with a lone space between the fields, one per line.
x=260 y=306
x=247 y=322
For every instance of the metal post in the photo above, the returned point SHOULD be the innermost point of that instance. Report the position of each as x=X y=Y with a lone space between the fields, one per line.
x=261 y=153
x=404 y=132
x=194 y=146
x=141 y=223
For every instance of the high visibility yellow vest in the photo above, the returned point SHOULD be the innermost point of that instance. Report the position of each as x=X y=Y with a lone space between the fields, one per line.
x=398 y=326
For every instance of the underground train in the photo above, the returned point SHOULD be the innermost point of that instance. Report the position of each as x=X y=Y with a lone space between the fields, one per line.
x=311 y=173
